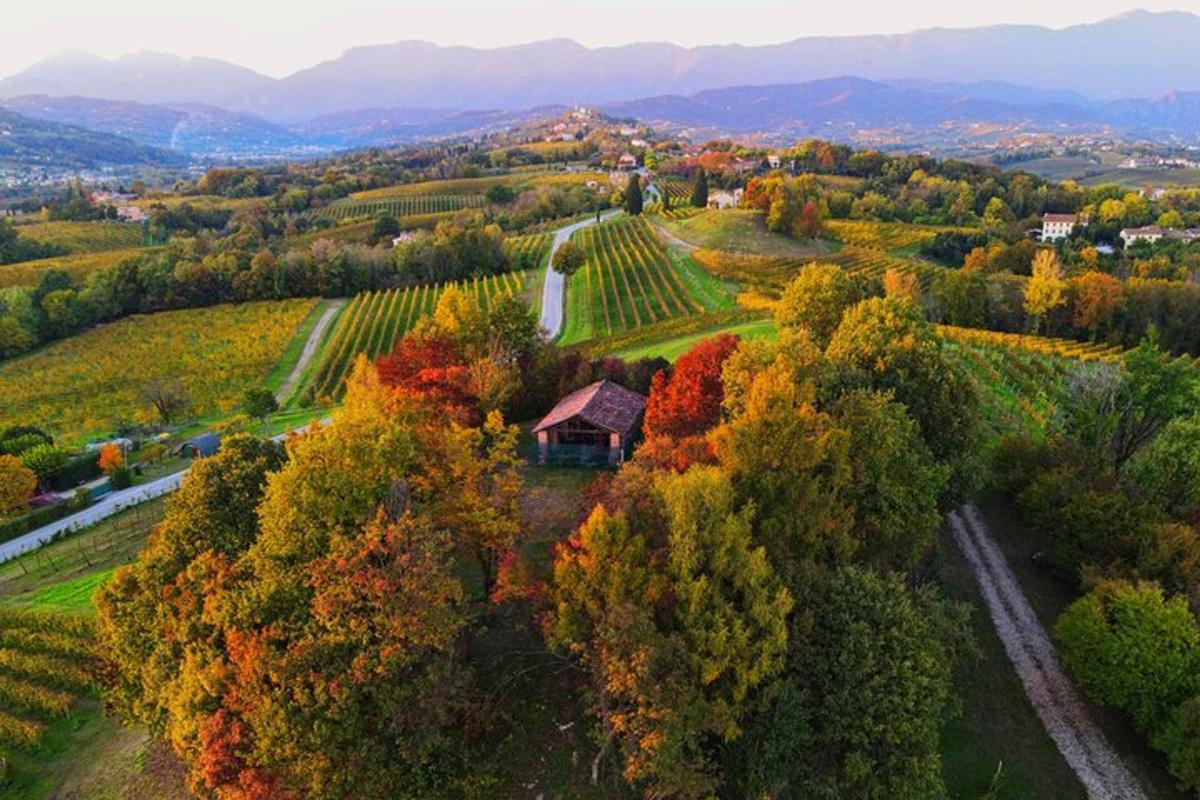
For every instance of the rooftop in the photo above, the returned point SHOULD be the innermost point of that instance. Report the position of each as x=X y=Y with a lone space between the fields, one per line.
x=604 y=404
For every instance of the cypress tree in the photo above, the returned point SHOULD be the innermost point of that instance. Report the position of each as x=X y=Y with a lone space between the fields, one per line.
x=700 y=192
x=633 y=195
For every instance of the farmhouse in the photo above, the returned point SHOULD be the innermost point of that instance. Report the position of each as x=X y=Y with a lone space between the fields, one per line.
x=593 y=425
x=627 y=162
x=1060 y=226
x=721 y=199
x=1152 y=233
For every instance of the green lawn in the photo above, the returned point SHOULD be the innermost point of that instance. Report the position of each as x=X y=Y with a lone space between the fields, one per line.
x=742 y=230
x=672 y=349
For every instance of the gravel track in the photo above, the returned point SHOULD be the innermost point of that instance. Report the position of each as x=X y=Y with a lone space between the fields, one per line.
x=1050 y=691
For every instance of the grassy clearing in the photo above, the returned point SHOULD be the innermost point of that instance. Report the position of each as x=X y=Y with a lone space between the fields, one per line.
x=671 y=349
x=742 y=231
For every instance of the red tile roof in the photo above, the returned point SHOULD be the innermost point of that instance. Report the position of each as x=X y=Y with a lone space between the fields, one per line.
x=604 y=404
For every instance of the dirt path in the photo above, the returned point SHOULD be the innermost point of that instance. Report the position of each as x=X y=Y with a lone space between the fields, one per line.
x=1051 y=693
x=310 y=349
x=672 y=238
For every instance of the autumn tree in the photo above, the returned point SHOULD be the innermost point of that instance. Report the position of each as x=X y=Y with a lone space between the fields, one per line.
x=112 y=458
x=17 y=483
x=816 y=299
x=1098 y=298
x=1045 y=290
x=668 y=687
x=259 y=402
x=688 y=401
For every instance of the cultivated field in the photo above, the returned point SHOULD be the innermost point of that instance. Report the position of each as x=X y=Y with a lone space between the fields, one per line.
x=88 y=384
x=28 y=273
x=883 y=235
x=529 y=251
x=375 y=321
x=86 y=237
x=630 y=279
x=400 y=205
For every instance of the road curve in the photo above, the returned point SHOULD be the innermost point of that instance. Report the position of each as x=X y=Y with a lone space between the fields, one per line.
x=104 y=508
x=552 y=289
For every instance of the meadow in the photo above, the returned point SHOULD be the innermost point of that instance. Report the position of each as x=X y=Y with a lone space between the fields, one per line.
x=374 y=321
x=630 y=279
x=90 y=383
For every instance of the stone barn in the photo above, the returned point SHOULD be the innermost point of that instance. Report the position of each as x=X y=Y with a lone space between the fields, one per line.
x=594 y=425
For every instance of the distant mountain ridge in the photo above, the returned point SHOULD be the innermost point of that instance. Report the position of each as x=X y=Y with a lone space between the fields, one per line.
x=42 y=144
x=1139 y=54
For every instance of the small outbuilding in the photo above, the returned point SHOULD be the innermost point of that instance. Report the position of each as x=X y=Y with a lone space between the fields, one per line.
x=594 y=425
x=204 y=445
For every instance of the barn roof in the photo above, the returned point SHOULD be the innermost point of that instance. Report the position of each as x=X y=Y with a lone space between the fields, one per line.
x=604 y=404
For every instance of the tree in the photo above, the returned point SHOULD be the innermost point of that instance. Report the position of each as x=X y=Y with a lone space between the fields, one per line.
x=1167 y=470
x=959 y=297
x=1132 y=649
x=859 y=710
x=688 y=401
x=633 y=194
x=44 y=459
x=259 y=402
x=675 y=643
x=499 y=194
x=111 y=458
x=168 y=396
x=17 y=483
x=666 y=199
x=1098 y=298
x=700 y=190
x=568 y=259
x=1044 y=291
x=386 y=228
x=815 y=300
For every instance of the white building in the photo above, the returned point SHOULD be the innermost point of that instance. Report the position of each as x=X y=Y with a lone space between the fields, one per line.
x=1060 y=226
x=1152 y=233
x=132 y=214
x=627 y=162
x=721 y=199
x=773 y=161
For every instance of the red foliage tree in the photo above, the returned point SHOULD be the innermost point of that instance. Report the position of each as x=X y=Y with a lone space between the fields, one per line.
x=688 y=403
x=433 y=368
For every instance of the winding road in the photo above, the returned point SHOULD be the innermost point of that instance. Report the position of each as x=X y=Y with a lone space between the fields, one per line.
x=1051 y=693
x=552 y=289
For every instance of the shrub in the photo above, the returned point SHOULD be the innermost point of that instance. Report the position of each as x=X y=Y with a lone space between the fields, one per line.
x=120 y=478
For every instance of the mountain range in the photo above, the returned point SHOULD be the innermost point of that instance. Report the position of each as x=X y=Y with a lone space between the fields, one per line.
x=1139 y=54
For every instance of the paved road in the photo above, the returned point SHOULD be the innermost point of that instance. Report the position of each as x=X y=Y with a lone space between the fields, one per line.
x=552 y=289
x=310 y=349
x=1051 y=693
x=103 y=509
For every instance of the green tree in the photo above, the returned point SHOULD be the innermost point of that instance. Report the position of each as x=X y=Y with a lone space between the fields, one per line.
x=700 y=191
x=568 y=259
x=259 y=402
x=1167 y=470
x=633 y=195
x=1132 y=649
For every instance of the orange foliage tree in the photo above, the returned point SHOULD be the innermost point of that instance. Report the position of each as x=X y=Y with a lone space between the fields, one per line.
x=111 y=458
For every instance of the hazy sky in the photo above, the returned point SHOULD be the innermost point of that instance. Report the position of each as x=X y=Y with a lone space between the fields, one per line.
x=278 y=37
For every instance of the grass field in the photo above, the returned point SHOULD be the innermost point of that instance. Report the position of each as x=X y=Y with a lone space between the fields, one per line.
x=86 y=237
x=631 y=279
x=373 y=322
x=86 y=385
x=28 y=273
x=1141 y=178
x=742 y=231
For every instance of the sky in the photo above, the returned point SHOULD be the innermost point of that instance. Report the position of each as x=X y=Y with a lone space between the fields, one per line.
x=277 y=38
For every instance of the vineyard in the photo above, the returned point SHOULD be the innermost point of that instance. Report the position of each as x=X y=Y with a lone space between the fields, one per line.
x=882 y=235
x=85 y=237
x=456 y=186
x=400 y=205
x=44 y=669
x=675 y=212
x=375 y=321
x=769 y=274
x=1028 y=343
x=630 y=280
x=676 y=188
x=28 y=273
x=88 y=384
x=529 y=251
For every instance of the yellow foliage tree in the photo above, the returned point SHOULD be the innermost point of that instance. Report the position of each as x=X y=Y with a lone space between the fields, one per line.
x=17 y=483
x=1044 y=292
